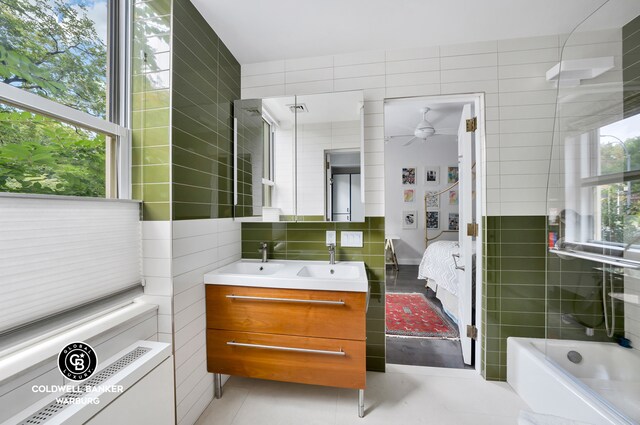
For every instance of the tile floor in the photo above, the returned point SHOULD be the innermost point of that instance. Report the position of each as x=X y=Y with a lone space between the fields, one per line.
x=405 y=395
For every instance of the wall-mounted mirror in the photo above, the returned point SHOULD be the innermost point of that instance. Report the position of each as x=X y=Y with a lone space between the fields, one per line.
x=330 y=157
x=299 y=158
x=265 y=157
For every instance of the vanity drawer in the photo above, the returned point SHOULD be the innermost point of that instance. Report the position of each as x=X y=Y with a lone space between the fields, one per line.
x=329 y=314
x=320 y=361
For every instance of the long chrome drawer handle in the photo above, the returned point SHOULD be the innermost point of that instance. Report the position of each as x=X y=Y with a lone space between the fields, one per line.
x=297 y=350
x=286 y=300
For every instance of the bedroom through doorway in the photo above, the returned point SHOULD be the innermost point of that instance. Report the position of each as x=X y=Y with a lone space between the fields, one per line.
x=431 y=229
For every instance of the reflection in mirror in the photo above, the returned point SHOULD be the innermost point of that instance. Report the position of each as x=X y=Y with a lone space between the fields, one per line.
x=265 y=152
x=329 y=160
x=343 y=186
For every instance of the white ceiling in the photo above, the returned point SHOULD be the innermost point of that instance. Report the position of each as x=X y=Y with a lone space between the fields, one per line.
x=403 y=115
x=259 y=30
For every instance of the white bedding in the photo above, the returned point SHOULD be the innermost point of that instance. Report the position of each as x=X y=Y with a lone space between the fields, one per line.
x=437 y=264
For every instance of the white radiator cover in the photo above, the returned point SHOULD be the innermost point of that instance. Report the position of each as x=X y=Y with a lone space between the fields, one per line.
x=61 y=252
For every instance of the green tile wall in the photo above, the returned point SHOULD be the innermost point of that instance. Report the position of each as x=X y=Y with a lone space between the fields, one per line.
x=250 y=156
x=631 y=66
x=520 y=298
x=306 y=241
x=513 y=294
x=151 y=58
x=206 y=81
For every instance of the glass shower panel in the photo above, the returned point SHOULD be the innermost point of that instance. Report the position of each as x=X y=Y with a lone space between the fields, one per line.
x=593 y=206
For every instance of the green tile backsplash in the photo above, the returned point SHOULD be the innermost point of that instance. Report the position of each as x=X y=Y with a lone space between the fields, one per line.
x=306 y=241
x=631 y=66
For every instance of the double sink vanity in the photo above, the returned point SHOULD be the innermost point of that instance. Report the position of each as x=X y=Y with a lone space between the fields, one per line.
x=293 y=321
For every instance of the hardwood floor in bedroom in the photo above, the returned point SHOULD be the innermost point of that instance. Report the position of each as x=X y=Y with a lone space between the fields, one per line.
x=419 y=351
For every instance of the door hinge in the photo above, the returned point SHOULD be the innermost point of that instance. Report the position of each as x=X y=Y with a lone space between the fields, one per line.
x=472 y=124
x=472 y=229
x=472 y=332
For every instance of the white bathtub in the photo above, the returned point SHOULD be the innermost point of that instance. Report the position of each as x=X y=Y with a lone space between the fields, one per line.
x=603 y=389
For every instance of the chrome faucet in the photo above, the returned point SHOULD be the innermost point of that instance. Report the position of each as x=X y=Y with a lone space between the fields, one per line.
x=332 y=253
x=264 y=247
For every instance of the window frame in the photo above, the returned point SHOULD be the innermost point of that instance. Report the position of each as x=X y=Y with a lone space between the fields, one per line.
x=116 y=126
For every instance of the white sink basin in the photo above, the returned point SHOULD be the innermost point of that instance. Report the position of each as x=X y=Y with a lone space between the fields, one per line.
x=289 y=274
x=251 y=268
x=329 y=271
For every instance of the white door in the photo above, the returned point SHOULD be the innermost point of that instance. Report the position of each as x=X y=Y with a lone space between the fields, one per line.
x=357 y=207
x=341 y=197
x=465 y=260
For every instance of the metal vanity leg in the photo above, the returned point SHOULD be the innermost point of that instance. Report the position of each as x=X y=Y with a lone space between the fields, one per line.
x=361 y=403
x=217 y=385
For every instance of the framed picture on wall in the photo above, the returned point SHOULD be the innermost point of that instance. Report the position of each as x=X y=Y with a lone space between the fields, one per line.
x=453 y=221
x=433 y=200
x=452 y=174
x=409 y=220
x=409 y=195
x=433 y=220
x=432 y=175
x=453 y=197
x=409 y=175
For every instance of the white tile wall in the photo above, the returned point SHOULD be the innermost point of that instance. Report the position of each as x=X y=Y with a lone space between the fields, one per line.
x=198 y=246
x=520 y=102
x=156 y=265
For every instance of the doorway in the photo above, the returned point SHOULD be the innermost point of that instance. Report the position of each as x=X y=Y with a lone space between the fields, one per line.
x=432 y=227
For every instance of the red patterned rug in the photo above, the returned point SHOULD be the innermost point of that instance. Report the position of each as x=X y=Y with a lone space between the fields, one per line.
x=415 y=315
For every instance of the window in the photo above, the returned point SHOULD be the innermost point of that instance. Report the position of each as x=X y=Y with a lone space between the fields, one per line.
x=62 y=113
x=617 y=194
x=602 y=176
x=267 y=172
x=43 y=155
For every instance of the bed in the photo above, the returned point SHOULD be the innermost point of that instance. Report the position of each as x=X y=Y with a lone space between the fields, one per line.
x=439 y=270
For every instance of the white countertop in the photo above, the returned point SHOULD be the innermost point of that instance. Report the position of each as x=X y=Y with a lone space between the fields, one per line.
x=348 y=276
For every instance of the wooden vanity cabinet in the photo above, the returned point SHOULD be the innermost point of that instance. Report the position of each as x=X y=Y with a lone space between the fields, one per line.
x=292 y=335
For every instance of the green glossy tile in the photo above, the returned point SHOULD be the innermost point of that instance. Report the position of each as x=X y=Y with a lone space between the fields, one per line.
x=523 y=291
x=376 y=364
x=156 y=211
x=522 y=250
x=520 y=263
x=523 y=236
x=523 y=319
x=630 y=28
x=375 y=222
x=191 y=177
x=150 y=100
x=522 y=331
x=158 y=192
x=523 y=277
x=191 y=211
x=155 y=173
x=375 y=350
x=523 y=222
x=147 y=137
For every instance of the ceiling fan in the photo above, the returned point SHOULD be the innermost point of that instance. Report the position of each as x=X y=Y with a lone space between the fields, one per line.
x=424 y=130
